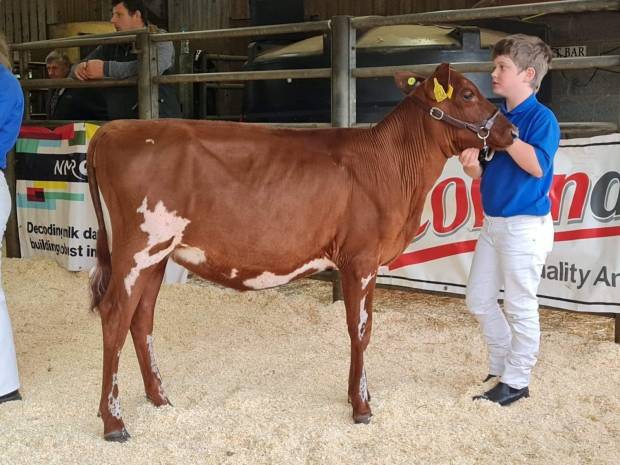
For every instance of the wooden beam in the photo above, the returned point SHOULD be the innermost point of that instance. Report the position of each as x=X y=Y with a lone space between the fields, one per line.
x=17 y=22
x=25 y=25
x=33 y=28
x=41 y=23
x=9 y=31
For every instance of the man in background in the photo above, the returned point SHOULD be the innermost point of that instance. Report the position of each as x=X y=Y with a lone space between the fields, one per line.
x=71 y=103
x=119 y=61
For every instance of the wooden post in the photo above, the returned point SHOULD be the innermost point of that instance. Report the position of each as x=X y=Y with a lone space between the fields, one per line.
x=343 y=82
x=617 y=330
x=186 y=91
x=343 y=46
x=24 y=70
x=148 y=92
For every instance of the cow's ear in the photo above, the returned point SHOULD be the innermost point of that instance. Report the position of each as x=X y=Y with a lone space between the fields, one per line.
x=407 y=81
x=439 y=85
x=442 y=73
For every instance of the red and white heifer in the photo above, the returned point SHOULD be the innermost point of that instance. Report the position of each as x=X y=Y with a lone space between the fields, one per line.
x=251 y=207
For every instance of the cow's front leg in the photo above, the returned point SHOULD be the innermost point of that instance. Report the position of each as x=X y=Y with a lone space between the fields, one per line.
x=358 y=288
x=142 y=334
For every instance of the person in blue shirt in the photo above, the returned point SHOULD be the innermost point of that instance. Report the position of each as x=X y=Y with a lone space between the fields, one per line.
x=11 y=113
x=517 y=231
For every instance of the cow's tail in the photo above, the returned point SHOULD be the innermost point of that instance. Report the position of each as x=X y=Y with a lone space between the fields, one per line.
x=100 y=275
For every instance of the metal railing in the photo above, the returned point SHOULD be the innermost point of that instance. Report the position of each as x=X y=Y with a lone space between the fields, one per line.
x=343 y=71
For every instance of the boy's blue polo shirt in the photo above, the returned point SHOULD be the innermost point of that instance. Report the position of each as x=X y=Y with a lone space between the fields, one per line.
x=508 y=190
x=11 y=112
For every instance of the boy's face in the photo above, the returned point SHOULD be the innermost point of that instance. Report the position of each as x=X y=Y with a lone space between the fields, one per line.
x=508 y=80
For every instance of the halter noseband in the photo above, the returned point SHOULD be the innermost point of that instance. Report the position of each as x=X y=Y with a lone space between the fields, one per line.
x=482 y=129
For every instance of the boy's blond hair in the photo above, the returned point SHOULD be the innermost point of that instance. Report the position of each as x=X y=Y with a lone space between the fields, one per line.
x=526 y=51
x=5 y=60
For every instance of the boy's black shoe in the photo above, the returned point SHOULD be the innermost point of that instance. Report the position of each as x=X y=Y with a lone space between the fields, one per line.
x=489 y=378
x=504 y=394
x=15 y=395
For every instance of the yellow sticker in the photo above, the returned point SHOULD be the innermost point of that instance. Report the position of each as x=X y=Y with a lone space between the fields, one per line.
x=438 y=90
x=411 y=81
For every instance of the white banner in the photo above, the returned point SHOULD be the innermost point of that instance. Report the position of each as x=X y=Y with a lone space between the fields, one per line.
x=583 y=271
x=54 y=211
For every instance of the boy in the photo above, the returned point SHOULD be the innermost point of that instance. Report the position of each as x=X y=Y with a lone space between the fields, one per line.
x=517 y=232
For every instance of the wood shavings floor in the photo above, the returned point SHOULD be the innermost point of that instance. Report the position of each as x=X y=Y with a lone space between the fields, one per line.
x=260 y=378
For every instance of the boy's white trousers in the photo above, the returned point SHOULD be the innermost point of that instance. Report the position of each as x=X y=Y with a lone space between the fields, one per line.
x=510 y=253
x=9 y=379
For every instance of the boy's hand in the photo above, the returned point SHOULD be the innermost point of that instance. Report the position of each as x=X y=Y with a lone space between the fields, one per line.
x=470 y=162
x=469 y=158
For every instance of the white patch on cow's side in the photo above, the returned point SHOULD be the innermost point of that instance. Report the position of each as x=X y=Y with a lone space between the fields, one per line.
x=363 y=318
x=363 y=387
x=367 y=280
x=161 y=226
x=233 y=273
x=154 y=367
x=188 y=254
x=268 y=279
x=114 y=403
x=149 y=141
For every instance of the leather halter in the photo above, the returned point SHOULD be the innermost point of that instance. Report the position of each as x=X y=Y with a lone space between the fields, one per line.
x=482 y=129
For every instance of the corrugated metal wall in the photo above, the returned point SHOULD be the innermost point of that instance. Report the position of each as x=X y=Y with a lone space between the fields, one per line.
x=192 y=15
x=24 y=20
x=218 y=14
x=27 y=20
x=81 y=10
x=323 y=9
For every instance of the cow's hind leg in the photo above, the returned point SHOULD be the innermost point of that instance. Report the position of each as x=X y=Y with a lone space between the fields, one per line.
x=358 y=288
x=117 y=310
x=142 y=334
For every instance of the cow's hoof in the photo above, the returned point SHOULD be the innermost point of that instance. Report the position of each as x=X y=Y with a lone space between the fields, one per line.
x=160 y=402
x=362 y=419
x=117 y=436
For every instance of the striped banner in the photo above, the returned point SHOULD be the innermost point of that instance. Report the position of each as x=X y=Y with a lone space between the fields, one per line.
x=54 y=211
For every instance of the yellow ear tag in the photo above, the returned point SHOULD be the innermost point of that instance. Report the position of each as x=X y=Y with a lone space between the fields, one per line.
x=450 y=90
x=440 y=93
x=411 y=81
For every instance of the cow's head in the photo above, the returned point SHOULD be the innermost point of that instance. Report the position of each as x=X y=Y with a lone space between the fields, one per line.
x=450 y=98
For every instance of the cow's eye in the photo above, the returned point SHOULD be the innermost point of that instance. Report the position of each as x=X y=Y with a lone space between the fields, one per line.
x=468 y=95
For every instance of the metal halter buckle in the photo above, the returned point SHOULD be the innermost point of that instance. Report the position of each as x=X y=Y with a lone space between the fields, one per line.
x=483 y=133
x=436 y=113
